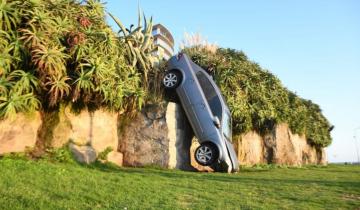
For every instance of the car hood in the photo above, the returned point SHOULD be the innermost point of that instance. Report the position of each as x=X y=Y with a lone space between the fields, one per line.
x=232 y=155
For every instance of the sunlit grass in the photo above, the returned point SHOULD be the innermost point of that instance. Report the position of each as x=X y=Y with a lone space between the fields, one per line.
x=44 y=185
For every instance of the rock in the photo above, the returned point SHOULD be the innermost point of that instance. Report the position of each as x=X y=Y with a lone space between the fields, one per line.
x=83 y=154
x=284 y=148
x=155 y=136
x=115 y=158
x=99 y=129
x=280 y=146
x=154 y=112
x=180 y=137
x=251 y=149
x=144 y=141
x=61 y=131
x=184 y=139
x=53 y=132
x=322 y=159
x=19 y=134
x=171 y=124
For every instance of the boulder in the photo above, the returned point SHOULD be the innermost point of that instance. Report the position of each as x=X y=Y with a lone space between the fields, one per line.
x=83 y=154
x=157 y=136
x=20 y=133
x=182 y=140
x=115 y=158
x=143 y=140
x=172 y=134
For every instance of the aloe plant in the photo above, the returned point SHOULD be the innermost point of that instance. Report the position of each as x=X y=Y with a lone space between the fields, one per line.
x=64 y=52
x=9 y=16
x=139 y=44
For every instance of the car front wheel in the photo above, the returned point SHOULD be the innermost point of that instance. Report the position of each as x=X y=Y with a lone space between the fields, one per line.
x=205 y=154
x=172 y=79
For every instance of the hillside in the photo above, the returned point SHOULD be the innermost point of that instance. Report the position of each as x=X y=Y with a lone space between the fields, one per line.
x=45 y=185
x=77 y=76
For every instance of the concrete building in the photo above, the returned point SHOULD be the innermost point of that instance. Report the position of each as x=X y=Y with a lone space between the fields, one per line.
x=164 y=42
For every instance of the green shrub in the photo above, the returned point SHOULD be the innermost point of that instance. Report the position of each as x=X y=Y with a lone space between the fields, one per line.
x=61 y=155
x=63 y=52
x=103 y=155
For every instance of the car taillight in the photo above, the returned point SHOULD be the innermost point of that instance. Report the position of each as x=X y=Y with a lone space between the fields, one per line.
x=179 y=56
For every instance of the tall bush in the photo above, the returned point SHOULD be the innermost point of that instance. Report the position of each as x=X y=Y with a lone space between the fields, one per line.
x=63 y=51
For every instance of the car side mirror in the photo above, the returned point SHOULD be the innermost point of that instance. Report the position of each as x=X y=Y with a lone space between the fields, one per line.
x=216 y=122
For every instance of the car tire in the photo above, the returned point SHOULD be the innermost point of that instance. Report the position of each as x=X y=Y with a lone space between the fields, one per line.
x=206 y=154
x=172 y=79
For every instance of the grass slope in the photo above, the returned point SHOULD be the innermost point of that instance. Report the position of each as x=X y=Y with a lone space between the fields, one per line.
x=44 y=185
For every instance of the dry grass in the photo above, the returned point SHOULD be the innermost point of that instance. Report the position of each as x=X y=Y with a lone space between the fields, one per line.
x=197 y=40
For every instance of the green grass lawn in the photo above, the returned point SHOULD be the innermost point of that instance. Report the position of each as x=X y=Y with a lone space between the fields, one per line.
x=45 y=185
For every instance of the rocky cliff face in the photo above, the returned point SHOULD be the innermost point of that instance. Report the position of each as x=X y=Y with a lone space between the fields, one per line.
x=19 y=134
x=158 y=135
x=278 y=147
x=144 y=140
x=97 y=129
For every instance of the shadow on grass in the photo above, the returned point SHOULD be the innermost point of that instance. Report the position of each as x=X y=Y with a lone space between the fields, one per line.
x=247 y=176
x=221 y=177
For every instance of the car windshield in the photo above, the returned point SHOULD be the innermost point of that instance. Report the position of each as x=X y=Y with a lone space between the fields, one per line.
x=226 y=126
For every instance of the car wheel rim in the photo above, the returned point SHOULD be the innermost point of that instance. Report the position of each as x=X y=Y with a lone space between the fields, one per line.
x=204 y=154
x=170 y=80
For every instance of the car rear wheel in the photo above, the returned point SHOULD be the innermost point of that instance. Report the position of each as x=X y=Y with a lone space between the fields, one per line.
x=172 y=79
x=206 y=154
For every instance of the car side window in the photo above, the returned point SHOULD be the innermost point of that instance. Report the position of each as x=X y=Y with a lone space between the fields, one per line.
x=210 y=94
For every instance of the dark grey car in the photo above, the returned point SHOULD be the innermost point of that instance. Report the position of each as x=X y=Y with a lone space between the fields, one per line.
x=206 y=111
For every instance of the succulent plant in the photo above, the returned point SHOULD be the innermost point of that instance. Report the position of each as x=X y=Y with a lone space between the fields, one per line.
x=57 y=52
x=139 y=44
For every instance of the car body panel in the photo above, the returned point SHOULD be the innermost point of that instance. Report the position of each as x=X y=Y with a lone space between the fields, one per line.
x=198 y=111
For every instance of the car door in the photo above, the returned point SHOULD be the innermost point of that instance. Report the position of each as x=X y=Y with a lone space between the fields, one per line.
x=193 y=103
x=211 y=106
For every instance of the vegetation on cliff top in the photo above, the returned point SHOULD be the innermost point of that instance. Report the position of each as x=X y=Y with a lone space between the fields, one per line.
x=257 y=99
x=56 y=52
x=62 y=51
x=45 y=185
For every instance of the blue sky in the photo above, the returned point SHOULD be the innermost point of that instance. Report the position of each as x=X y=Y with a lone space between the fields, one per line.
x=312 y=46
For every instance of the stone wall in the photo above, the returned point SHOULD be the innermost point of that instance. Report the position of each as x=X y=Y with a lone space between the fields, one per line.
x=158 y=135
x=19 y=134
x=251 y=149
x=97 y=129
x=278 y=147
x=144 y=140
